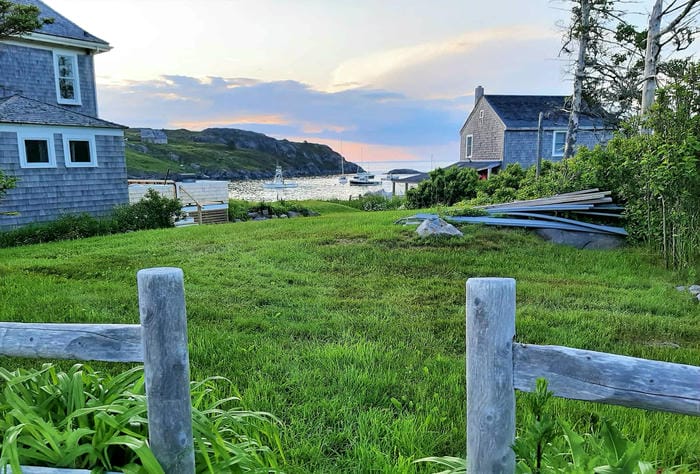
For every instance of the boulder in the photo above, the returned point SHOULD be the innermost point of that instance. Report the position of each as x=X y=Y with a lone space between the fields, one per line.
x=694 y=289
x=581 y=240
x=437 y=226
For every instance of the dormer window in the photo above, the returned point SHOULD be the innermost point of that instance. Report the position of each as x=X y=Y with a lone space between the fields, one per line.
x=67 y=78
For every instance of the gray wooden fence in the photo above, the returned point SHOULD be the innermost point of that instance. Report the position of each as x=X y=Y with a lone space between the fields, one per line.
x=496 y=366
x=160 y=342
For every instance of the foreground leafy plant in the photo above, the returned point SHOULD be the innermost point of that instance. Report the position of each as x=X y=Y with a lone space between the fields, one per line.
x=548 y=446
x=84 y=419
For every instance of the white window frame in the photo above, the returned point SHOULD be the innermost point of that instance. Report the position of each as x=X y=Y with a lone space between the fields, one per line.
x=481 y=117
x=556 y=152
x=36 y=135
x=83 y=137
x=76 y=87
x=469 y=146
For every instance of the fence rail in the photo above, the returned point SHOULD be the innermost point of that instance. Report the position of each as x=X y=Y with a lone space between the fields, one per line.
x=496 y=366
x=160 y=342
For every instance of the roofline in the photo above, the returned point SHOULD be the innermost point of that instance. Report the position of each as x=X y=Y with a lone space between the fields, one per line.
x=95 y=46
x=483 y=97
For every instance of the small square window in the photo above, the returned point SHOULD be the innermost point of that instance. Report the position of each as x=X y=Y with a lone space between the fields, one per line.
x=79 y=151
x=37 y=151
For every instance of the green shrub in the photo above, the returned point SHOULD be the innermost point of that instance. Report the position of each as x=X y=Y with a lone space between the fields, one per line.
x=445 y=187
x=6 y=183
x=154 y=211
x=67 y=227
x=239 y=209
x=86 y=420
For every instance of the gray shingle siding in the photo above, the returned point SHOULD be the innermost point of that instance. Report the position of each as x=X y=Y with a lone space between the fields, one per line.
x=487 y=134
x=521 y=145
x=44 y=194
x=30 y=72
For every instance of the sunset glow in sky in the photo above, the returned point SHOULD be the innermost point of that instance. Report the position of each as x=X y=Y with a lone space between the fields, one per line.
x=390 y=79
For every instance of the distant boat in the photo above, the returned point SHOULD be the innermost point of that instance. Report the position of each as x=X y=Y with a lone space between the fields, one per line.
x=342 y=179
x=278 y=181
x=363 y=178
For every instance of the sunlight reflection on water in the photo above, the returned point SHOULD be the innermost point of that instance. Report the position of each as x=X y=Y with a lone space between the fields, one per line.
x=318 y=187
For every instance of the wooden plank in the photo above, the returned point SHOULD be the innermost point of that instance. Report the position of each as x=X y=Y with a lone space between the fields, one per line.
x=601 y=214
x=167 y=368
x=588 y=225
x=547 y=207
x=609 y=378
x=490 y=392
x=105 y=342
x=553 y=199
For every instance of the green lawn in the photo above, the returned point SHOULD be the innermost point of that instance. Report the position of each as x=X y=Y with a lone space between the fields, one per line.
x=351 y=330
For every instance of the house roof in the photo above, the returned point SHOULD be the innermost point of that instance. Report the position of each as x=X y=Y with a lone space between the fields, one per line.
x=63 y=30
x=18 y=109
x=522 y=111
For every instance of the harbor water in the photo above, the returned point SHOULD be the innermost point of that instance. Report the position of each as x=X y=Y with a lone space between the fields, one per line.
x=317 y=187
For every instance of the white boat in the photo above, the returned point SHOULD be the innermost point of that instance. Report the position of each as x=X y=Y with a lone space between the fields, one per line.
x=342 y=179
x=363 y=178
x=278 y=181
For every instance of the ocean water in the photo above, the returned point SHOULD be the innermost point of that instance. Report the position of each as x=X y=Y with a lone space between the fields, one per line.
x=319 y=187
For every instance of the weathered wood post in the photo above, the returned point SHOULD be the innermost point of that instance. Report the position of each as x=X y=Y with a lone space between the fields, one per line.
x=166 y=367
x=490 y=392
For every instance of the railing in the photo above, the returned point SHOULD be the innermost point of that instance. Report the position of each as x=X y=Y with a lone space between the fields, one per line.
x=496 y=366
x=160 y=342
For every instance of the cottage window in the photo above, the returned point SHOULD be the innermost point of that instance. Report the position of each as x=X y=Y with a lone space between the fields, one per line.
x=558 y=142
x=67 y=79
x=79 y=151
x=481 y=117
x=36 y=152
x=469 y=146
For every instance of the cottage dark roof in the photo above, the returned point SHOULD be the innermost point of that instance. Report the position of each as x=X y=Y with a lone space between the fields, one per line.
x=62 y=27
x=522 y=111
x=22 y=110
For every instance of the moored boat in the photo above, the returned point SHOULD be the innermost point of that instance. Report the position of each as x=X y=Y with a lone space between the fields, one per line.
x=278 y=181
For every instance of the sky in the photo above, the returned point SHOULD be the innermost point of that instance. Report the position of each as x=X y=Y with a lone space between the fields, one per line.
x=384 y=82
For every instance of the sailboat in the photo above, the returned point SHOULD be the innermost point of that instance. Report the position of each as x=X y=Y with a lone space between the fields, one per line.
x=342 y=179
x=278 y=181
x=363 y=178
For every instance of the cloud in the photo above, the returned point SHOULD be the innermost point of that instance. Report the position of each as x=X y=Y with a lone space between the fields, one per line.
x=492 y=57
x=284 y=109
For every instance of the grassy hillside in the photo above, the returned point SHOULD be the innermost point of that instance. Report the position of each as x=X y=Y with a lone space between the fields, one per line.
x=351 y=330
x=197 y=152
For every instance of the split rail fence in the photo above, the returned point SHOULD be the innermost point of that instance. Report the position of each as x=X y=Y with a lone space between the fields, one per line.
x=497 y=366
x=160 y=342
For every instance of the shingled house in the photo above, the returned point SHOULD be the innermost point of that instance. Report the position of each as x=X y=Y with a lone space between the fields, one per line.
x=503 y=129
x=66 y=159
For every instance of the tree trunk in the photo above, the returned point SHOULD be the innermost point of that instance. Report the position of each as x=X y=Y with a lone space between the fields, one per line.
x=579 y=75
x=651 y=56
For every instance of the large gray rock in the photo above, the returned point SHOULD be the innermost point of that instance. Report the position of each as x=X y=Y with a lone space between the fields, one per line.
x=581 y=240
x=437 y=227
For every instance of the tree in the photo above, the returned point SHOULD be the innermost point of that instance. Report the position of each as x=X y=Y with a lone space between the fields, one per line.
x=579 y=75
x=16 y=19
x=680 y=30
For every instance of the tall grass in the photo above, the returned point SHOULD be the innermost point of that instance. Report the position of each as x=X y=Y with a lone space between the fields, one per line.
x=350 y=329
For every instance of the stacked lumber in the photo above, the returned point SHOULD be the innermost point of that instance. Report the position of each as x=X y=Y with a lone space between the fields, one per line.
x=542 y=213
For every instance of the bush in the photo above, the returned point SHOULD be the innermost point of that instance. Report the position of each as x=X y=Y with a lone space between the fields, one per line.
x=67 y=227
x=238 y=209
x=154 y=211
x=445 y=186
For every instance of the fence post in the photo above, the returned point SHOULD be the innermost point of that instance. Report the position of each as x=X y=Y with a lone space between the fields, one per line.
x=490 y=392
x=166 y=367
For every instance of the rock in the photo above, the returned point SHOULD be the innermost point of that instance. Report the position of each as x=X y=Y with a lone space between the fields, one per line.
x=671 y=345
x=260 y=218
x=253 y=215
x=681 y=288
x=292 y=214
x=581 y=240
x=437 y=227
x=694 y=289
x=284 y=216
